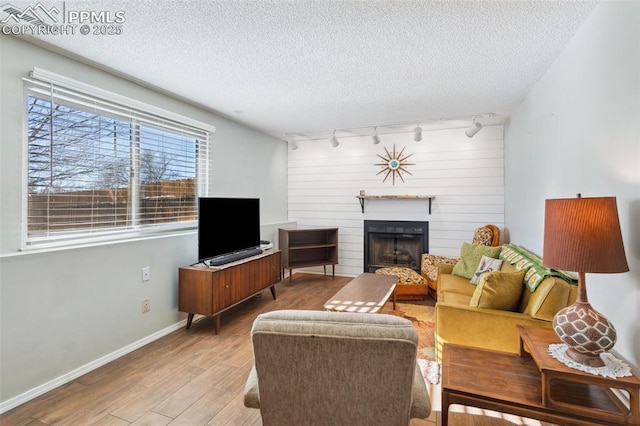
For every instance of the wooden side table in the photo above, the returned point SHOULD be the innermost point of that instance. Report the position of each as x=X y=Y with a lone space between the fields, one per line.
x=554 y=372
x=536 y=386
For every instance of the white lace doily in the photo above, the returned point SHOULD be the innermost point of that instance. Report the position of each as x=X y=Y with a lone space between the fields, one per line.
x=613 y=367
x=430 y=371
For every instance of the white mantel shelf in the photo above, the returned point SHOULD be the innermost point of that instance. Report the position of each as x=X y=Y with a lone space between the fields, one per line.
x=361 y=198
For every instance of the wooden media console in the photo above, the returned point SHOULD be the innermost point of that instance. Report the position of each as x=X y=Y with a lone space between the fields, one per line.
x=210 y=291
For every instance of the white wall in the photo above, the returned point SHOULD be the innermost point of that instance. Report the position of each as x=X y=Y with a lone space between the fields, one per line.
x=578 y=131
x=63 y=312
x=465 y=175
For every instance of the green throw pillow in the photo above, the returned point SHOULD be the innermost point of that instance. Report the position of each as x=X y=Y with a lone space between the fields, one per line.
x=498 y=290
x=470 y=255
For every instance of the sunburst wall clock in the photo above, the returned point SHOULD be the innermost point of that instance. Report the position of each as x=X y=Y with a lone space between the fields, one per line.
x=395 y=163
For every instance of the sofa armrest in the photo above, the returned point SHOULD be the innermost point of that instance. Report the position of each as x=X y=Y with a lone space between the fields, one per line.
x=445 y=268
x=251 y=395
x=481 y=328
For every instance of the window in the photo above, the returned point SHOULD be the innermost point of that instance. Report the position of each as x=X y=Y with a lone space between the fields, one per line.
x=102 y=169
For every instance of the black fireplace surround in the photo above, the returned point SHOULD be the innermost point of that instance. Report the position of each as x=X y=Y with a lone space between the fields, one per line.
x=389 y=243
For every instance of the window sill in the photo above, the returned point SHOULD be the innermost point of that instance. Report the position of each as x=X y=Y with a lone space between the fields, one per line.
x=97 y=242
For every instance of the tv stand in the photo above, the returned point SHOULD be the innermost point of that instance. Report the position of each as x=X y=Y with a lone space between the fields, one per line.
x=210 y=291
x=232 y=257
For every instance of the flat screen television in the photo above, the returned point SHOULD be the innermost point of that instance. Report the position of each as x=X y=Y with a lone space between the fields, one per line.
x=227 y=225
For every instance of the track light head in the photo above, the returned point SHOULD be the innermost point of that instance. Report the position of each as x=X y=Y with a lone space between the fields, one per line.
x=475 y=128
x=375 y=138
x=334 y=140
x=417 y=133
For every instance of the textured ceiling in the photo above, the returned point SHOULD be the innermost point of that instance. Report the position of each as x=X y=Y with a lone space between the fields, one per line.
x=300 y=66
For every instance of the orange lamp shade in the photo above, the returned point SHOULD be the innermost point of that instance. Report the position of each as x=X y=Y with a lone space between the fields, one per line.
x=583 y=235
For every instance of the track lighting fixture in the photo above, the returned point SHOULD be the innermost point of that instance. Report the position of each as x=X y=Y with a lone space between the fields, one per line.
x=375 y=138
x=334 y=140
x=475 y=128
x=419 y=128
x=417 y=133
x=293 y=145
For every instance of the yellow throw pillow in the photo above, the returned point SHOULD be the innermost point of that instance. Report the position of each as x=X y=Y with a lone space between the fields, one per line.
x=498 y=290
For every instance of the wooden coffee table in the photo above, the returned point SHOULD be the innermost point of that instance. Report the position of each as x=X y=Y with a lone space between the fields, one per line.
x=367 y=293
x=540 y=387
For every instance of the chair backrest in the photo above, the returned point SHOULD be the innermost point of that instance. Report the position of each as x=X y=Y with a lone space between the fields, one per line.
x=334 y=368
x=488 y=235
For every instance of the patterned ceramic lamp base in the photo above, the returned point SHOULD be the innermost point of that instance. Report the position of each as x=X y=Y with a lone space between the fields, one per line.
x=586 y=332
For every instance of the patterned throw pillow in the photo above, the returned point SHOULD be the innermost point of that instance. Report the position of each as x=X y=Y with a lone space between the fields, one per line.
x=487 y=264
x=498 y=290
x=470 y=255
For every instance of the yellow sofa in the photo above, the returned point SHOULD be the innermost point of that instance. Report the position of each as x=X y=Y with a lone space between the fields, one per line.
x=458 y=322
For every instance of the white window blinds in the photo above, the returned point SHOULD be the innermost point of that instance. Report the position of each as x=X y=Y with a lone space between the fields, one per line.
x=98 y=168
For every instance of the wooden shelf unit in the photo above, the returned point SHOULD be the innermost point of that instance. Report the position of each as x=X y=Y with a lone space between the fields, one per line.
x=307 y=247
x=210 y=291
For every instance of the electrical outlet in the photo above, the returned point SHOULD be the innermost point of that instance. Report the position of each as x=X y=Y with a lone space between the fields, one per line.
x=146 y=273
x=146 y=305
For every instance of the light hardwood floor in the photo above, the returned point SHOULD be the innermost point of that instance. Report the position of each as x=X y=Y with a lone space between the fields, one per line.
x=193 y=377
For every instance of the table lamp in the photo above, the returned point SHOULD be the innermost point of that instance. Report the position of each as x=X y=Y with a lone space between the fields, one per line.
x=583 y=235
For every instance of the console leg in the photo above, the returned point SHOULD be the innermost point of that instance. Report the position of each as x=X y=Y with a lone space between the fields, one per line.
x=325 y=270
x=273 y=291
x=189 y=320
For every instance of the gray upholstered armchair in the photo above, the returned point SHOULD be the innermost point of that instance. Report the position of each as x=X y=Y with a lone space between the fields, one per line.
x=333 y=368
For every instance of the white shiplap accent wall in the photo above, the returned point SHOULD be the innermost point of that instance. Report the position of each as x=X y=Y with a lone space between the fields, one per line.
x=466 y=176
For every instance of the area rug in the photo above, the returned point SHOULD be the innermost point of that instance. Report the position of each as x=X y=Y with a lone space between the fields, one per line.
x=421 y=316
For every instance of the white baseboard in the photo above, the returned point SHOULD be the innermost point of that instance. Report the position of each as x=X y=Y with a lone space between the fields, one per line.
x=68 y=377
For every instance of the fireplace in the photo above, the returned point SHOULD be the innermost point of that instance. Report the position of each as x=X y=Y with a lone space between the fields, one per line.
x=394 y=243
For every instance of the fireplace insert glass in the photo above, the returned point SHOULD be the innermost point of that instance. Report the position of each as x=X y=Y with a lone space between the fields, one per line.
x=394 y=243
